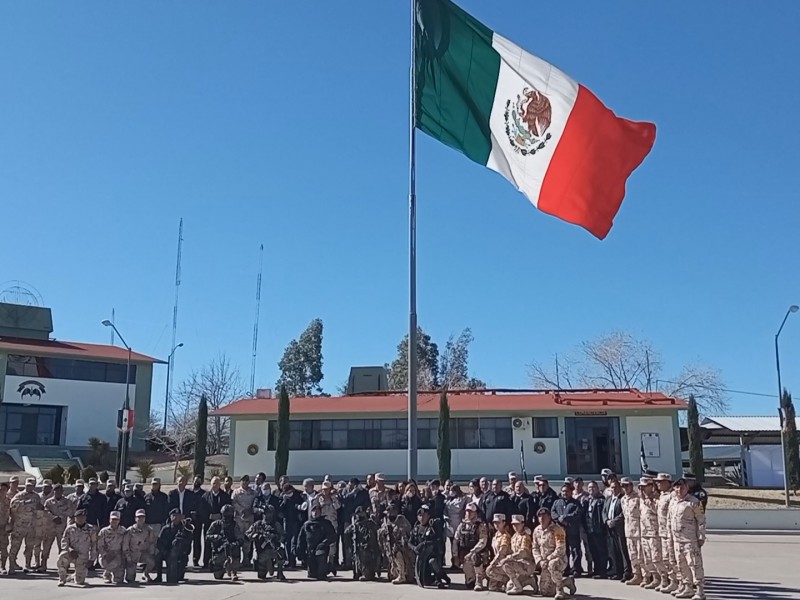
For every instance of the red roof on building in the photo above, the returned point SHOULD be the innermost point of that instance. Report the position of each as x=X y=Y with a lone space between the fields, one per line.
x=79 y=350
x=462 y=401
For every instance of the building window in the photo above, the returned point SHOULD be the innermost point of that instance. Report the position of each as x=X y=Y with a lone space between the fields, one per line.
x=545 y=427
x=593 y=444
x=30 y=425
x=392 y=434
x=42 y=367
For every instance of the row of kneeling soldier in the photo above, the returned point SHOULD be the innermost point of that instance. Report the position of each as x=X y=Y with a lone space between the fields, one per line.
x=648 y=533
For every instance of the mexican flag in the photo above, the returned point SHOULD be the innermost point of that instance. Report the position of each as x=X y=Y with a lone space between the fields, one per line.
x=520 y=116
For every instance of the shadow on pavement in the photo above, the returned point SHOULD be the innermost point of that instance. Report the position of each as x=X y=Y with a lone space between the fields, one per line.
x=731 y=588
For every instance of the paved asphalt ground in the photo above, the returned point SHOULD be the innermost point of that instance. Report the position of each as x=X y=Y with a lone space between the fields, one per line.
x=738 y=567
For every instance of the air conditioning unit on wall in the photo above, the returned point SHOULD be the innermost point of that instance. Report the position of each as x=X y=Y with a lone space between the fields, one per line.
x=520 y=423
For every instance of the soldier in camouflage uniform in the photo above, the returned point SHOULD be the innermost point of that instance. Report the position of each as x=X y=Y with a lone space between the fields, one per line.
x=669 y=577
x=112 y=547
x=651 y=543
x=471 y=543
x=24 y=508
x=550 y=554
x=501 y=546
x=5 y=525
x=689 y=534
x=633 y=530
x=57 y=510
x=393 y=537
x=141 y=548
x=78 y=547
x=242 y=500
x=74 y=497
x=267 y=535
x=519 y=565
x=43 y=525
x=226 y=539
x=363 y=532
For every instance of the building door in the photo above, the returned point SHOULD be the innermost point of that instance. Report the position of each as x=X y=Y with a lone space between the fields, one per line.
x=593 y=444
x=27 y=425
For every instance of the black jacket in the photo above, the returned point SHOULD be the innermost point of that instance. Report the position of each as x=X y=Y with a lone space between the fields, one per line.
x=127 y=508
x=525 y=505
x=614 y=515
x=111 y=504
x=493 y=503
x=698 y=492
x=95 y=507
x=189 y=501
x=290 y=509
x=156 y=507
x=409 y=506
x=352 y=500
x=567 y=513
x=316 y=536
x=547 y=499
x=438 y=505
x=209 y=507
x=593 y=518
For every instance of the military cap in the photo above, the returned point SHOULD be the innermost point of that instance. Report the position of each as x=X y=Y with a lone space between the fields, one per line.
x=512 y=475
x=245 y=478
x=499 y=517
x=141 y=513
x=174 y=511
x=326 y=478
x=47 y=482
x=93 y=481
x=517 y=519
x=138 y=486
x=688 y=475
x=30 y=481
x=650 y=473
x=471 y=506
x=380 y=477
x=644 y=481
x=663 y=477
x=80 y=512
x=626 y=481
x=127 y=487
x=14 y=479
x=58 y=486
x=542 y=511
x=424 y=509
x=115 y=514
x=155 y=480
x=80 y=482
x=606 y=472
x=569 y=480
x=111 y=482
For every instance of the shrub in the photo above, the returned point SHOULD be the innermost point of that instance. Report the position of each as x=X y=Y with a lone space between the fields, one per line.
x=73 y=473
x=100 y=453
x=56 y=474
x=145 y=470
x=88 y=473
x=103 y=476
x=218 y=472
x=185 y=471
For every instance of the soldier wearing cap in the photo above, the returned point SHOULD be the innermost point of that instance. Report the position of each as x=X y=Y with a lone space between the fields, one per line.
x=547 y=496
x=94 y=503
x=43 y=525
x=695 y=489
x=501 y=546
x=519 y=565
x=550 y=554
x=393 y=537
x=689 y=534
x=669 y=573
x=13 y=486
x=75 y=496
x=25 y=507
x=427 y=543
x=471 y=544
x=112 y=496
x=5 y=525
x=57 y=512
x=633 y=529
x=174 y=543
x=378 y=493
x=112 y=548
x=128 y=506
x=141 y=548
x=156 y=506
x=651 y=544
x=242 y=500
x=78 y=547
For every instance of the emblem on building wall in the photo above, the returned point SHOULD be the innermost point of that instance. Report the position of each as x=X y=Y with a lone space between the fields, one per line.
x=31 y=388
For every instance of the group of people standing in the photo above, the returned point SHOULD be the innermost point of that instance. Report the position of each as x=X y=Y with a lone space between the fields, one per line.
x=502 y=536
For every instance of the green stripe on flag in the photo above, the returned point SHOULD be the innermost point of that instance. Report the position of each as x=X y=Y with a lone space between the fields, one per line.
x=456 y=71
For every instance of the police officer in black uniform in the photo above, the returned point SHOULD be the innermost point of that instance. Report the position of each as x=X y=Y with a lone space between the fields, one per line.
x=696 y=490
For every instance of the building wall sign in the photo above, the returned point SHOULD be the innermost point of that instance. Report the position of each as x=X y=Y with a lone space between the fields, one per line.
x=591 y=413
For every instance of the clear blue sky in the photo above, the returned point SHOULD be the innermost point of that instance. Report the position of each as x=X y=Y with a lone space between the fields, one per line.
x=286 y=123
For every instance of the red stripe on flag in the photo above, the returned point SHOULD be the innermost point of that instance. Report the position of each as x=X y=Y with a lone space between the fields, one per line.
x=585 y=182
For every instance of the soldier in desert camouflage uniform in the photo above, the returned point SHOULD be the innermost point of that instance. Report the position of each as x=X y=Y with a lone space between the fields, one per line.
x=112 y=547
x=519 y=565
x=242 y=500
x=25 y=507
x=5 y=525
x=669 y=578
x=501 y=546
x=651 y=543
x=633 y=530
x=57 y=510
x=550 y=554
x=43 y=525
x=78 y=547
x=393 y=537
x=141 y=548
x=689 y=534
x=74 y=497
x=473 y=548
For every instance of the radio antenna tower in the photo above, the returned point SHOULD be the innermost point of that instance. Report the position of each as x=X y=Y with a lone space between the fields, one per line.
x=171 y=364
x=255 y=325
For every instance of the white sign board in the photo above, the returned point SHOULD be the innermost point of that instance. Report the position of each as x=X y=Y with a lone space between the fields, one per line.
x=651 y=443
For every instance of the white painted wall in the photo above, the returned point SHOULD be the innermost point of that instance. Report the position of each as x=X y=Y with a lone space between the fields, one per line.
x=91 y=406
x=662 y=425
x=757 y=519
x=252 y=432
x=764 y=466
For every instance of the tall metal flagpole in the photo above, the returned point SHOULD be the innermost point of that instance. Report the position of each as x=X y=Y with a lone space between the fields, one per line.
x=412 y=258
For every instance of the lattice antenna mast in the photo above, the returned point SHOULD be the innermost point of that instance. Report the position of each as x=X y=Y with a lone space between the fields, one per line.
x=255 y=325
x=171 y=365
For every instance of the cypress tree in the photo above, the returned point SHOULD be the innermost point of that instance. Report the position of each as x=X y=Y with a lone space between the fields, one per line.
x=282 y=435
x=443 y=446
x=791 y=440
x=201 y=438
x=695 y=441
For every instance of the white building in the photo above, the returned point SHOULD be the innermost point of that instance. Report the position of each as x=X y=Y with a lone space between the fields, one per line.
x=558 y=433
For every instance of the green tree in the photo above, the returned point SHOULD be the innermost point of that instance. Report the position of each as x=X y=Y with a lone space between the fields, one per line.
x=791 y=440
x=443 y=445
x=201 y=438
x=282 y=435
x=301 y=365
x=695 y=440
x=427 y=360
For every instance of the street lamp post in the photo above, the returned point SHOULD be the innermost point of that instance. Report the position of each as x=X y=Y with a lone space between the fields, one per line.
x=166 y=393
x=124 y=436
x=793 y=308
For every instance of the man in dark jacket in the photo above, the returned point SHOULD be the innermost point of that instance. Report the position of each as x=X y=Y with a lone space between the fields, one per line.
x=615 y=521
x=128 y=506
x=209 y=509
x=353 y=498
x=293 y=518
x=596 y=530
x=316 y=537
x=94 y=503
x=437 y=499
x=112 y=497
x=183 y=499
x=496 y=501
x=546 y=495
x=197 y=522
x=566 y=512
x=173 y=546
x=524 y=504
x=156 y=507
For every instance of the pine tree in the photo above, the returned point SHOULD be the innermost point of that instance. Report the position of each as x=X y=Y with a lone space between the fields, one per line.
x=282 y=435
x=443 y=446
x=791 y=440
x=695 y=441
x=201 y=438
